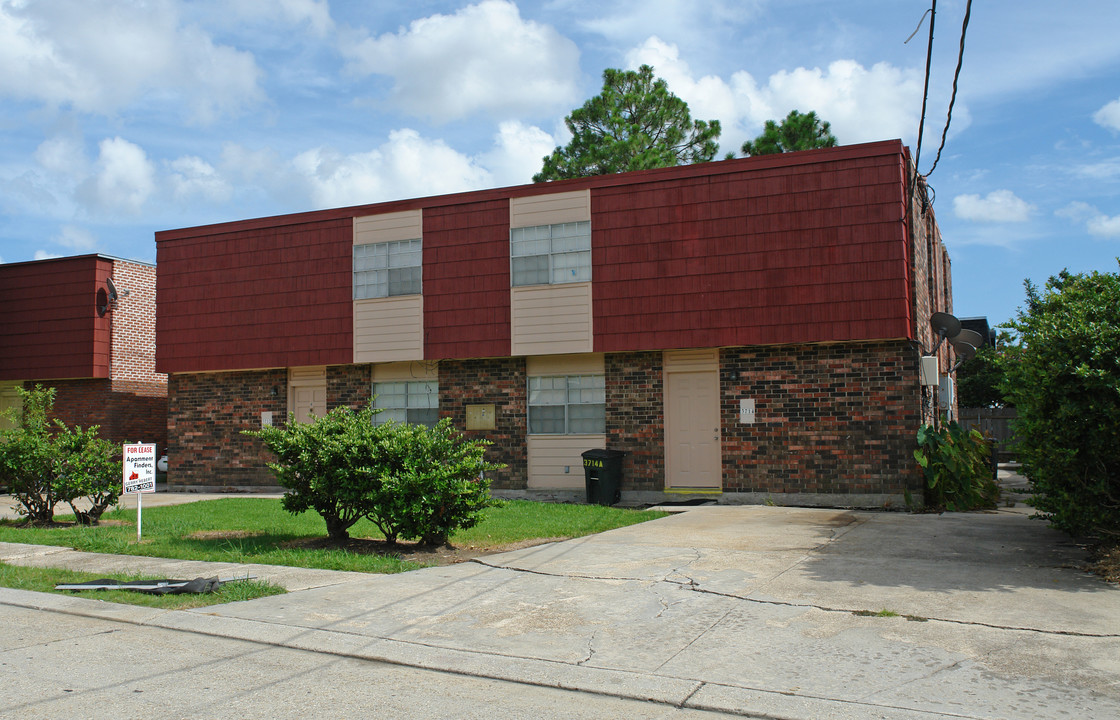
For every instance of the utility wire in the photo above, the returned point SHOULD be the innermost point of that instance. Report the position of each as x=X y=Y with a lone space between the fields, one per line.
x=925 y=97
x=956 y=76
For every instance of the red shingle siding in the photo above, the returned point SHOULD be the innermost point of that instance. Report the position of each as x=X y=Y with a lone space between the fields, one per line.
x=258 y=298
x=806 y=253
x=50 y=327
x=466 y=281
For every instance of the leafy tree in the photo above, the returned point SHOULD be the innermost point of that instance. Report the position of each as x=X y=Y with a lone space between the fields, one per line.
x=44 y=462
x=635 y=123
x=956 y=466
x=981 y=380
x=797 y=132
x=1066 y=388
x=410 y=480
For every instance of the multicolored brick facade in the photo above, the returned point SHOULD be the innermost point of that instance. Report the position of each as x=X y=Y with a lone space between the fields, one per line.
x=807 y=280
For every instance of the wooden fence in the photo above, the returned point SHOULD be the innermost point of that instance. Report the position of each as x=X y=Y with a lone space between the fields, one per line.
x=993 y=423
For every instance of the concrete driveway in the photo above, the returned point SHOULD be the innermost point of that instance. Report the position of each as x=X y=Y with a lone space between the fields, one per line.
x=763 y=611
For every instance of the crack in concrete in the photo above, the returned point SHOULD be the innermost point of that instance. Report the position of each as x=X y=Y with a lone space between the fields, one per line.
x=688 y=583
x=894 y=688
x=590 y=649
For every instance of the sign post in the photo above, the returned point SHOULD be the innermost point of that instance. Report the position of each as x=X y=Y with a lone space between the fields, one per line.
x=139 y=470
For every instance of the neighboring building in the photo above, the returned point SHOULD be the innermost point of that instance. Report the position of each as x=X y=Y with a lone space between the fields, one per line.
x=748 y=327
x=61 y=328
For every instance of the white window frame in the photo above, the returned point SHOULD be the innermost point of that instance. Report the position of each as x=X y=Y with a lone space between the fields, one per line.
x=564 y=247
x=389 y=269
x=581 y=392
x=420 y=397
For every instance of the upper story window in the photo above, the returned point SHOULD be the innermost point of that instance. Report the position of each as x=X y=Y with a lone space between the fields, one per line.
x=567 y=405
x=415 y=402
x=388 y=268
x=550 y=254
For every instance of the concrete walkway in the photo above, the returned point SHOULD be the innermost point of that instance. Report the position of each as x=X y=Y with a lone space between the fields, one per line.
x=760 y=611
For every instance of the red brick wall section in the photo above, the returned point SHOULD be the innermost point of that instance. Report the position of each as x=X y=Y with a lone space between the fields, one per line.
x=349 y=386
x=503 y=383
x=134 y=324
x=636 y=417
x=830 y=418
x=125 y=412
x=206 y=414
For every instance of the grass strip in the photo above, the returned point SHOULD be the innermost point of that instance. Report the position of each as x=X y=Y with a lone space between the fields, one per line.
x=44 y=579
x=259 y=530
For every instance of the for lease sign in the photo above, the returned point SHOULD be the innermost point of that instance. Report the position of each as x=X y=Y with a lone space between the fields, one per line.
x=139 y=469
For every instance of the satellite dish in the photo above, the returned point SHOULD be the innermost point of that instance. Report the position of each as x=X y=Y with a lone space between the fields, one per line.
x=970 y=337
x=945 y=325
x=963 y=350
x=112 y=289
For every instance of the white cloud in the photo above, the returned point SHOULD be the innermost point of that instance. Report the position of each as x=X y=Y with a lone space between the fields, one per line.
x=484 y=58
x=999 y=206
x=44 y=255
x=315 y=13
x=99 y=55
x=518 y=153
x=194 y=177
x=1108 y=116
x=1096 y=223
x=1105 y=226
x=76 y=238
x=408 y=165
x=1103 y=170
x=123 y=180
x=861 y=104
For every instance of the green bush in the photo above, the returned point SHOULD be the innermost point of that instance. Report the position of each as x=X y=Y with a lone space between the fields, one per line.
x=957 y=467
x=44 y=462
x=413 y=482
x=432 y=483
x=1066 y=388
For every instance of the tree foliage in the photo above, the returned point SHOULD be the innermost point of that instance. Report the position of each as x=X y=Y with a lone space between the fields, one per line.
x=981 y=380
x=1066 y=389
x=44 y=462
x=412 y=481
x=635 y=123
x=797 y=132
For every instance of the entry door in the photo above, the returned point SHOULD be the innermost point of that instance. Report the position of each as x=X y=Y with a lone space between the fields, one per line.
x=692 y=430
x=307 y=393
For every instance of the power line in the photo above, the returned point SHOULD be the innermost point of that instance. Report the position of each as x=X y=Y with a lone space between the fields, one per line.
x=925 y=97
x=956 y=77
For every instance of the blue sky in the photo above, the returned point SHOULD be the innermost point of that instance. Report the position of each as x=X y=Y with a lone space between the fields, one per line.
x=121 y=118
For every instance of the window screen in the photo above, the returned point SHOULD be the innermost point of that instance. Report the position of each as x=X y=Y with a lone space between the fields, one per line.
x=387 y=269
x=550 y=254
x=567 y=405
x=415 y=402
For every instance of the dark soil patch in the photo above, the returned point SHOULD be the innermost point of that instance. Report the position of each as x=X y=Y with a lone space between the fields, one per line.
x=414 y=552
x=1105 y=561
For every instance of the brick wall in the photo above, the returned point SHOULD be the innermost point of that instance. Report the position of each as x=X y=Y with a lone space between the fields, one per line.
x=830 y=418
x=125 y=411
x=349 y=386
x=503 y=383
x=635 y=417
x=134 y=324
x=206 y=414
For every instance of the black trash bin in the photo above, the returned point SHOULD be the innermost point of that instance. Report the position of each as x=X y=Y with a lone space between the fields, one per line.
x=602 y=474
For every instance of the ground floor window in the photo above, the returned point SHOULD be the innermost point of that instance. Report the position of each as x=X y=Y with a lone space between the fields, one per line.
x=567 y=405
x=414 y=402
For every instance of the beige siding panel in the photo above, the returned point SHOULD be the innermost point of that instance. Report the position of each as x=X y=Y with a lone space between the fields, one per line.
x=405 y=225
x=405 y=371
x=311 y=373
x=389 y=329
x=550 y=209
x=551 y=319
x=589 y=364
x=690 y=360
x=550 y=454
x=10 y=399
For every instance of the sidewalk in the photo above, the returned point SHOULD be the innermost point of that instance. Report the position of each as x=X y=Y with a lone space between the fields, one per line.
x=752 y=610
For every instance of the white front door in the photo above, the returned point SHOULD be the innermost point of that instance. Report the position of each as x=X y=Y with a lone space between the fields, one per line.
x=692 y=430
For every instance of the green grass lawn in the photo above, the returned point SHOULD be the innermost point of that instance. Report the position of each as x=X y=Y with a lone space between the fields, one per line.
x=44 y=580
x=258 y=530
